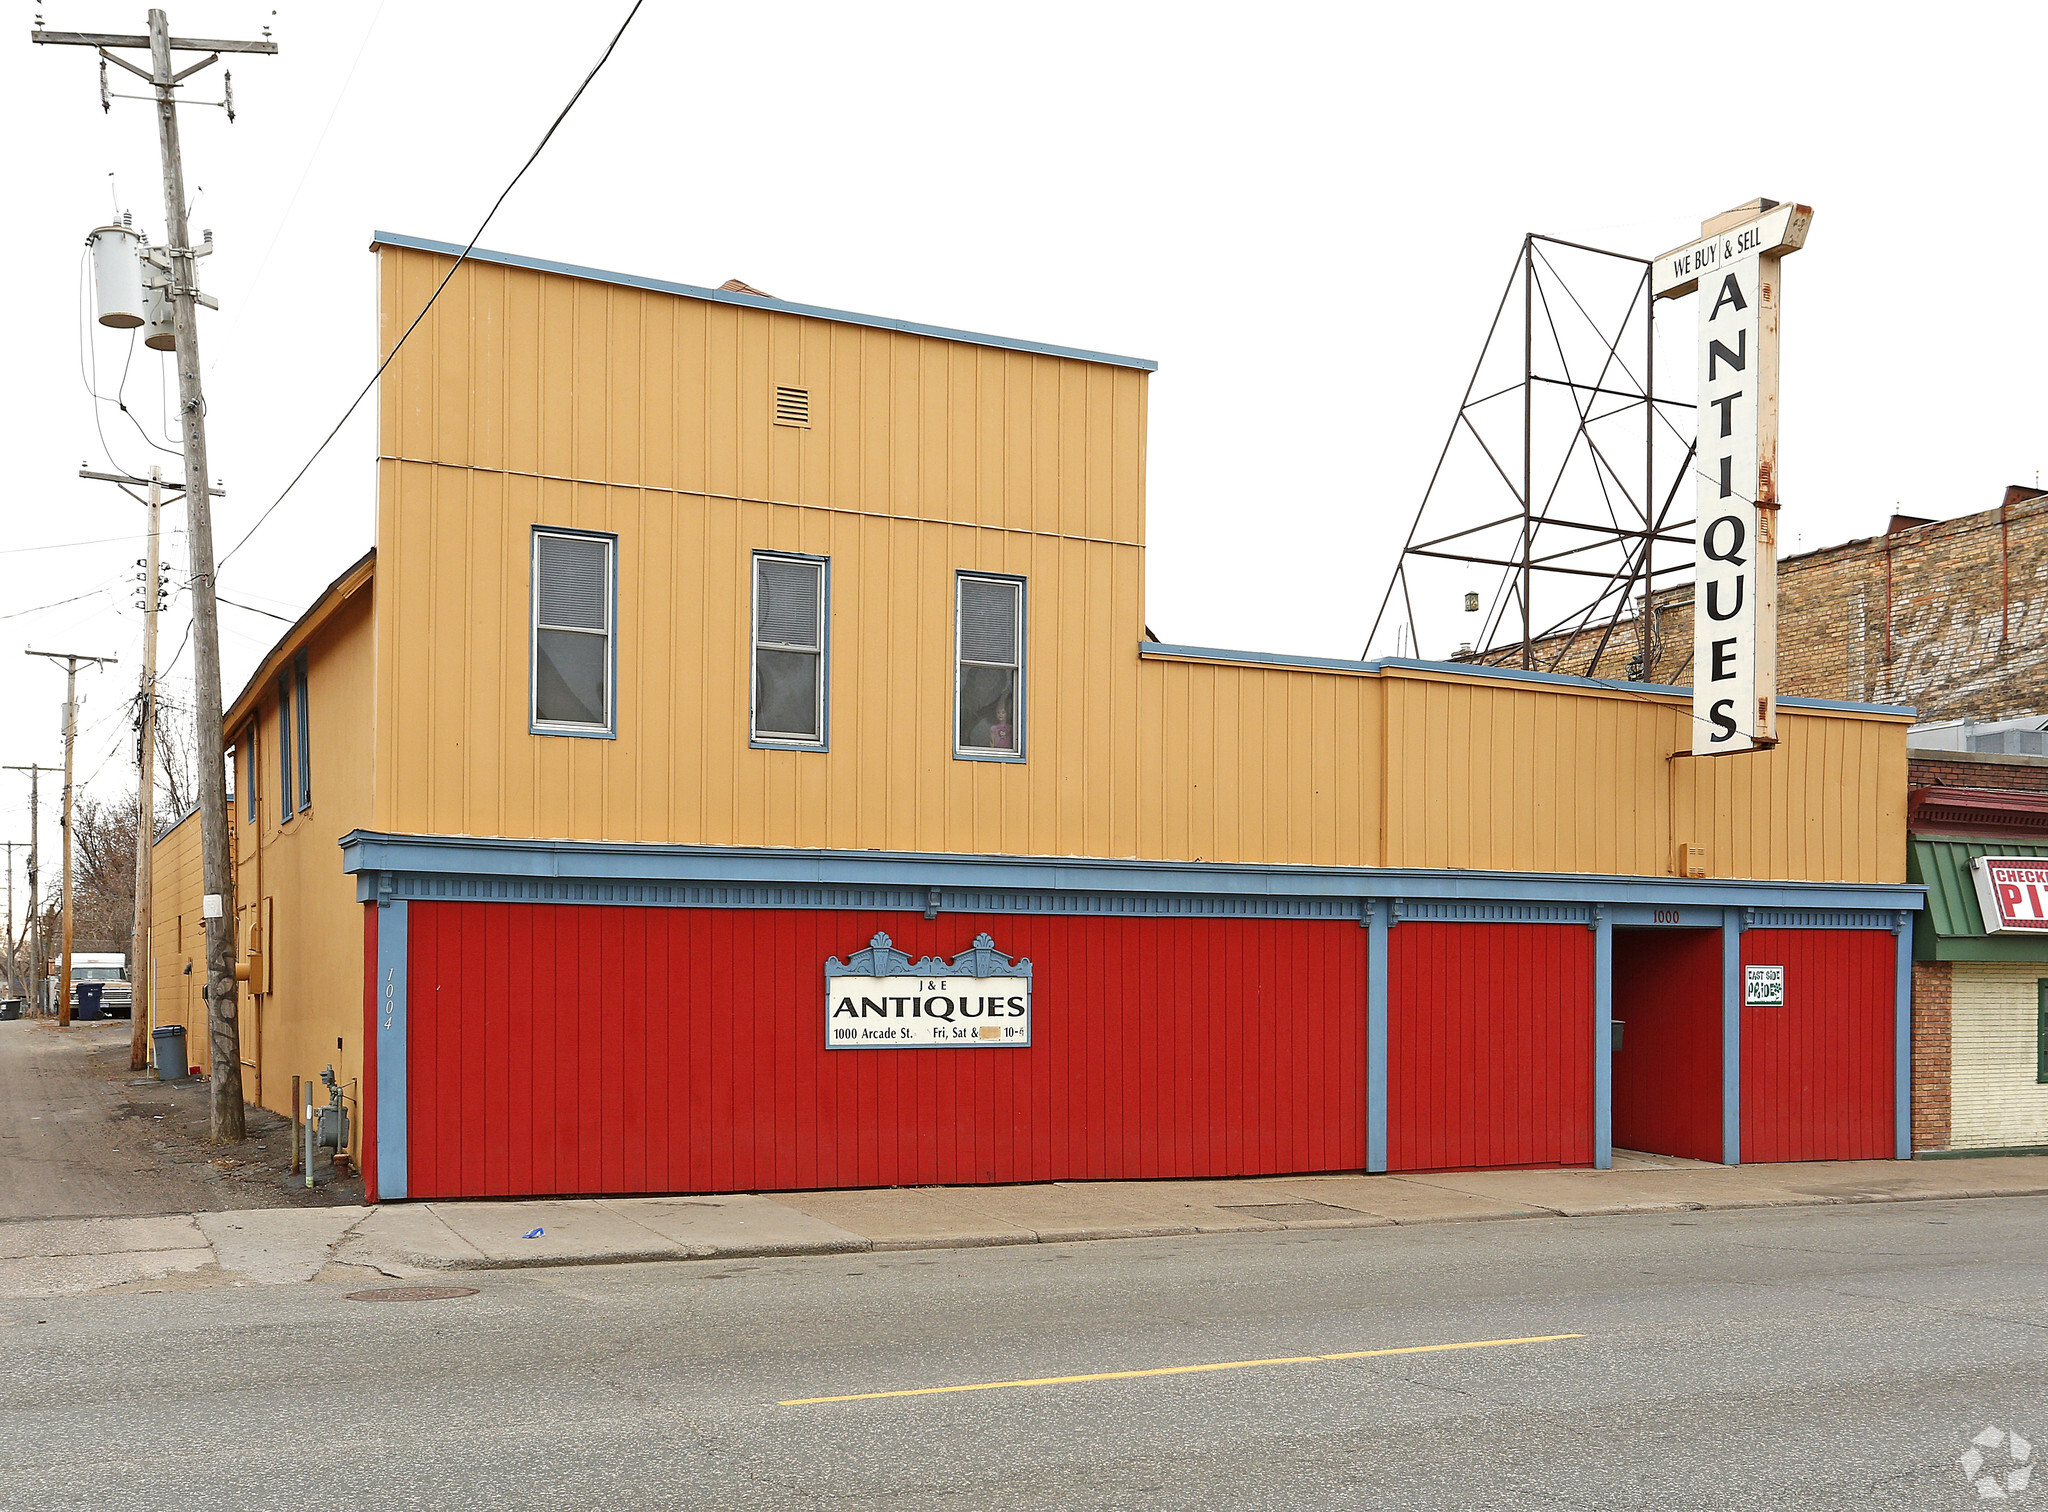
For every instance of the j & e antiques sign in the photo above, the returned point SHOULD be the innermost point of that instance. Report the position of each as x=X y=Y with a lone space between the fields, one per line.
x=880 y=1000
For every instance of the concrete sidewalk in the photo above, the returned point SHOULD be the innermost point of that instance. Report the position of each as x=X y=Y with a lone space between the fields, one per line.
x=410 y=1240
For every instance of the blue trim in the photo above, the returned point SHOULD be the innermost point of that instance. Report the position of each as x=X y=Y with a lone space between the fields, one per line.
x=1679 y=916
x=1603 y=1041
x=1902 y=1050
x=1021 y=726
x=436 y=865
x=755 y=741
x=1731 y=1036
x=757 y=301
x=392 y=959
x=1158 y=649
x=1376 y=1038
x=611 y=689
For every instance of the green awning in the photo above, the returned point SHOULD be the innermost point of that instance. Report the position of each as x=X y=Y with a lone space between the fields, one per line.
x=1951 y=927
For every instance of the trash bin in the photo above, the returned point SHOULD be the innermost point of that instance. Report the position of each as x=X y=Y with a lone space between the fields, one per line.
x=10 y=1008
x=168 y=1043
x=88 y=995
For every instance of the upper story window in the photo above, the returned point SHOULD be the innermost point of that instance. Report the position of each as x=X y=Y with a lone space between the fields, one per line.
x=303 y=726
x=988 y=688
x=575 y=602
x=789 y=650
x=285 y=807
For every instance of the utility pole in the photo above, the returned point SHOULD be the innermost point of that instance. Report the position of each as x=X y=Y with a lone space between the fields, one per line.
x=71 y=659
x=139 y=962
x=13 y=964
x=145 y=787
x=223 y=1031
x=41 y=962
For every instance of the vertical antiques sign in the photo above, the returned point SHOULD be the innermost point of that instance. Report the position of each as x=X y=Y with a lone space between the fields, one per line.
x=1735 y=267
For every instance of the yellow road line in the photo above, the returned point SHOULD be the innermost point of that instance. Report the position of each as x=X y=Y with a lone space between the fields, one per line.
x=1167 y=1370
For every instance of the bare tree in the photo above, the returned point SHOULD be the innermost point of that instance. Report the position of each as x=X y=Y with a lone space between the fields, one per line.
x=176 y=768
x=103 y=884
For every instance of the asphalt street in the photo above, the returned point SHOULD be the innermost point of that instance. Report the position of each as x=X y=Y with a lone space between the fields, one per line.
x=1815 y=1358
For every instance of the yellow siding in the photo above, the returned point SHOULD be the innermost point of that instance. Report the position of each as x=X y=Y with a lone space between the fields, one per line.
x=1526 y=777
x=528 y=398
x=176 y=939
x=315 y=953
x=315 y=969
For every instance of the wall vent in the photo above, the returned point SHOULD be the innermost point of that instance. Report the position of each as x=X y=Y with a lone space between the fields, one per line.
x=792 y=406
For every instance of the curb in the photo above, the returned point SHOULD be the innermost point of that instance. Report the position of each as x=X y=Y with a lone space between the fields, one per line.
x=1021 y=1237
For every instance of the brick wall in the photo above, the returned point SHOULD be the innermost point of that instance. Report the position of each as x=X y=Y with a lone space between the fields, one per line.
x=1966 y=607
x=1933 y=993
x=2024 y=774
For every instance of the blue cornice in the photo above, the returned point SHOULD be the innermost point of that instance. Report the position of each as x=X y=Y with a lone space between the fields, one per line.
x=759 y=302
x=1160 y=650
x=431 y=866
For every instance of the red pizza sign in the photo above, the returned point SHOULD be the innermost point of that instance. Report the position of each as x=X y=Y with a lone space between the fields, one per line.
x=2012 y=891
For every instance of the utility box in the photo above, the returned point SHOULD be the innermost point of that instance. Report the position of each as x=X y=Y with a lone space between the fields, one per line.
x=117 y=276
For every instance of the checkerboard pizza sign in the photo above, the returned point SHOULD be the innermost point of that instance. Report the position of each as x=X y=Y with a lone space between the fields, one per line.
x=2012 y=893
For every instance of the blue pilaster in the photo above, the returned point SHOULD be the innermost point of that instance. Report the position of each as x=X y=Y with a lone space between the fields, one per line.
x=1603 y=1040
x=1376 y=1034
x=1731 y=1036
x=391 y=1091
x=1902 y=1054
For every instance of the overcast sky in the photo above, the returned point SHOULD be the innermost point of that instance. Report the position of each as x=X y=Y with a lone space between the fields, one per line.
x=1303 y=213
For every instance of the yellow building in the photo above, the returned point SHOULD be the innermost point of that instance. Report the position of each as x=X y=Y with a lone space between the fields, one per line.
x=707 y=635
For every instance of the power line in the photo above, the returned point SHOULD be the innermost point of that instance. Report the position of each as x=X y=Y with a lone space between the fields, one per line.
x=64 y=545
x=262 y=266
x=252 y=609
x=548 y=136
x=58 y=603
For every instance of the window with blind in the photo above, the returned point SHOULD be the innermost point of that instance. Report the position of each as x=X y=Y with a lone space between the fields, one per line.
x=789 y=650
x=305 y=733
x=988 y=686
x=575 y=600
x=285 y=806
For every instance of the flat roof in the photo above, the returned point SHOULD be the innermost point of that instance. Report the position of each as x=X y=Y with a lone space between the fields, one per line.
x=759 y=301
x=1480 y=669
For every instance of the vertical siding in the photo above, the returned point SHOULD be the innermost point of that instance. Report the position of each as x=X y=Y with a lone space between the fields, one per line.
x=1995 y=1097
x=1667 y=1075
x=311 y=1017
x=1817 y=1073
x=177 y=941
x=532 y=398
x=1489 y=1045
x=692 y=1056
x=1531 y=777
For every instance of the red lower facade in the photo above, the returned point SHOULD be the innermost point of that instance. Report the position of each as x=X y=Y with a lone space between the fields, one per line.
x=1489 y=1046
x=1818 y=1073
x=539 y=1034
x=571 y=1049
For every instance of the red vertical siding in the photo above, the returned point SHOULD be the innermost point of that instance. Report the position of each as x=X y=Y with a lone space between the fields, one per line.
x=1489 y=1045
x=1667 y=1075
x=558 y=1049
x=1817 y=1073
